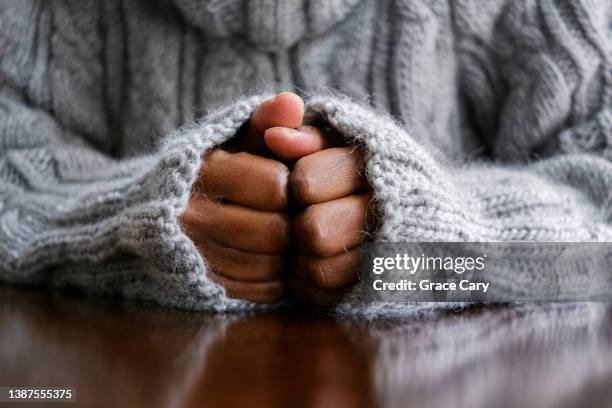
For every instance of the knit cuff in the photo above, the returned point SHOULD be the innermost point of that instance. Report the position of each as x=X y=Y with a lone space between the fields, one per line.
x=417 y=197
x=412 y=200
x=113 y=227
x=183 y=282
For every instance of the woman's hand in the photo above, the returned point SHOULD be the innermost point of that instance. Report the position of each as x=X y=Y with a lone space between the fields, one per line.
x=331 y=186
x=237 y=219
x=237 y=214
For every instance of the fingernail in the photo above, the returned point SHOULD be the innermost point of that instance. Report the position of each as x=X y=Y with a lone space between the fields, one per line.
x=292 y=132
x=286 y=131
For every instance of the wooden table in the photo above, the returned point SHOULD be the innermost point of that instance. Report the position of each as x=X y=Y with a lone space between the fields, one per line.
x=118 y=353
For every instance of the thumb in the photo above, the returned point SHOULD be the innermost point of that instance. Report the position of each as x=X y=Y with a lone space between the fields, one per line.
x=285 y=110
x=293 y=144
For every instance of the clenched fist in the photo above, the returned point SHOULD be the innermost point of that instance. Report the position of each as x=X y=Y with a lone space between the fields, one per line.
x=239 y=210
x=336 y=216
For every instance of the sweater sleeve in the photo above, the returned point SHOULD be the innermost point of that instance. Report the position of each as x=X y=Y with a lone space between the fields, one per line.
x=418 y=197
x=71 y=216
x=538 y=78
x=539 y=83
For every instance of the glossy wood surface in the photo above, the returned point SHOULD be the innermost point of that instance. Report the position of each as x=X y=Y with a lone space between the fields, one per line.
x=123 y=354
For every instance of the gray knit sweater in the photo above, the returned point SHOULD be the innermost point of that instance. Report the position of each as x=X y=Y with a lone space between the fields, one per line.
x=483 y=120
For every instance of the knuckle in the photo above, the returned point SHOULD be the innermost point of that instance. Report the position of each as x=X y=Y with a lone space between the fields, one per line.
x=311 y=234
x=321 y=273
x=275 y=294
x=211 y=158
x=272 y=267
x=279 y=187
x=278 y=234
x=198 y=213
x=241 y=156
x=207 y=177
x=212 y=161
x=302 y=183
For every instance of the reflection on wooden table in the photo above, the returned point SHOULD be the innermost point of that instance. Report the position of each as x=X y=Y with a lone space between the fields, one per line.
x=122 y=354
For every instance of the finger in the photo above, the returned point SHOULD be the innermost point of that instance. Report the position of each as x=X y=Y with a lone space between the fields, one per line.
x=242 y=266
x=306 y=292
x=258 y=292
x=328 y=174
x=286 y=110
x=246 y=179
x=329 y=273
x=329 y=228
x=293 y=144
x=236 y=226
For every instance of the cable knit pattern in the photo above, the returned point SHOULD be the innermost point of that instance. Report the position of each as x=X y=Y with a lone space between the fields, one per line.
x=419 y=199
x=482 y=121
x=115 y=232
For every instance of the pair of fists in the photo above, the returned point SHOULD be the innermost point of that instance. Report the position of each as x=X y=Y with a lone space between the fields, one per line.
x=282 y=208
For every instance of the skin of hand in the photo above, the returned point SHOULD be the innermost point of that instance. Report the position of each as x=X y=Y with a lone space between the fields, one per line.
x=237 y=213
x=336 y=216
x=238 y=210
x=329 y=185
